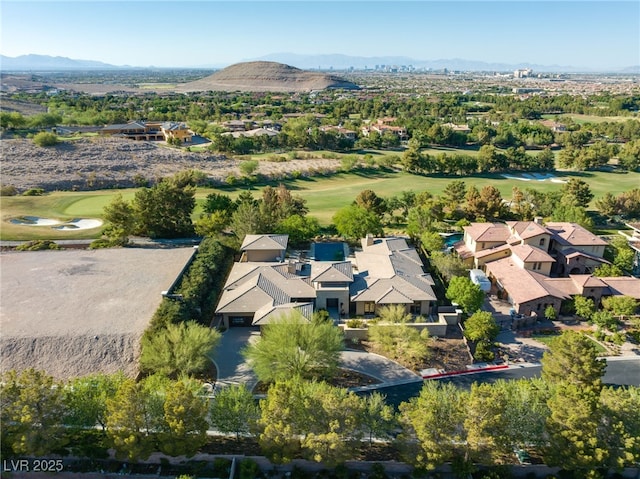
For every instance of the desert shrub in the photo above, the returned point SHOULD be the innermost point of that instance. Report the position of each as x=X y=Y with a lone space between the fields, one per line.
x=8 y=190
x=249 y=469
x=44 y=139
x=34 y=192
x=484 y=352
x=100 y=243
x=231 y=180
x=356 y=323
x=38 y=245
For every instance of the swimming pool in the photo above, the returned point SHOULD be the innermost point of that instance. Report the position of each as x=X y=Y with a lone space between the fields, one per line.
x=328 y=251
x=452 y=239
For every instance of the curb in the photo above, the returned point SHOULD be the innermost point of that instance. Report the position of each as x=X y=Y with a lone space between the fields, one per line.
x=480 y=369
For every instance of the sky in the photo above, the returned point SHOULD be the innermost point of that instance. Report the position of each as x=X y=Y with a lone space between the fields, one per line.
x=192 y=33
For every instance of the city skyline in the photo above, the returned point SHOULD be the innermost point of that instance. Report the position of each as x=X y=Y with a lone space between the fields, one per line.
x=597 y=35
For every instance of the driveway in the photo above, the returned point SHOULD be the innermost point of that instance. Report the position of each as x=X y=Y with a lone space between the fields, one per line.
x=232 y=368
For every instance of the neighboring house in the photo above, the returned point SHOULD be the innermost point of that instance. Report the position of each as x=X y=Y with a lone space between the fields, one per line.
x=262 y=284
x=534 y=266
x=577 y=250
x=252 y=133
x=554 y=125
x=149 y=131
x=634 y=243
x=340 y=131
x=383 y=125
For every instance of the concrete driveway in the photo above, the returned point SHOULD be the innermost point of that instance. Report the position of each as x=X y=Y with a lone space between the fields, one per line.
x=232 y=368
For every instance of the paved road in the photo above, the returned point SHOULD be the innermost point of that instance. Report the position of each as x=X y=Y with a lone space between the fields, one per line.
x=620 y=370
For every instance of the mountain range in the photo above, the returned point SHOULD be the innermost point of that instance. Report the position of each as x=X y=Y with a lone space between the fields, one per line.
x=322 y=62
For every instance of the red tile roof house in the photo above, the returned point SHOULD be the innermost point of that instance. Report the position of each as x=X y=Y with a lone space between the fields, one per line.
x=520 y=258
x=262 y=284
x=149 y=131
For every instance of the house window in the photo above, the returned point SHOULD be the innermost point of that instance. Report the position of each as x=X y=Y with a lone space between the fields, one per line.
x=416 y=308
x=541 y=241
x=369 y=307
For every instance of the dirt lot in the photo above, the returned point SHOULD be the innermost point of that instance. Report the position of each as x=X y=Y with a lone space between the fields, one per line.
x=74 y=312
x=96 y=163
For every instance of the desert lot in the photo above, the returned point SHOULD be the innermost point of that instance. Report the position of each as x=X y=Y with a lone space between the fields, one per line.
x=75 y=312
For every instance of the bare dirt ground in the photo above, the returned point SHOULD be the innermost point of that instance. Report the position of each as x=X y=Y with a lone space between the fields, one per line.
x=75 y=312
x=97 y=163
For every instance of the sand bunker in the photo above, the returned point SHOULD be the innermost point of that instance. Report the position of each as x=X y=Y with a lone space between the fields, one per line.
x=73 y=225
x=534 y=177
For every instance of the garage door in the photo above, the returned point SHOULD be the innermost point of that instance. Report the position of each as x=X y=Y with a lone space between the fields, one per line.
x=240 y=321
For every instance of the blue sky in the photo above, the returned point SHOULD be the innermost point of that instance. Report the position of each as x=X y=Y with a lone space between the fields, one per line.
x=593 y=34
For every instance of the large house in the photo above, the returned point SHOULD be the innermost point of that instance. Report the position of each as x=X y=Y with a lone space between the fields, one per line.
x=150 y=131
x=264 y=284
x=534 y=266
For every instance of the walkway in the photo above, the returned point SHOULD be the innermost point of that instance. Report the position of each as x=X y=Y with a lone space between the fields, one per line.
x=232 y=368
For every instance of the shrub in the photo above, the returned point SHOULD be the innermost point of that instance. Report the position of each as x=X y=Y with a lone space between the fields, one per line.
x=38 y=245
x=34 y=192
x=484 y=352
x=8 y=190
x=44 y=139
x=356 y=323
x=231 y=180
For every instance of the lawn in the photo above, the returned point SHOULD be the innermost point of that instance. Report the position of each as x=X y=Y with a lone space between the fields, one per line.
x=546 y=339
x=324 y=195
x=579 y=118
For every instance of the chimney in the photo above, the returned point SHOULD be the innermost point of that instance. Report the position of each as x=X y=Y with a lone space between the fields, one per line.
x=538 y=220
x=369 y=240
x=291 y=269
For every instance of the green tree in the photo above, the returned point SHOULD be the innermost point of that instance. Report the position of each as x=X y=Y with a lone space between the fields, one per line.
x=573 y=358
x=32 y=408
x=300 y=229
x=290 y=346
x=584 y=307
x=185 y=415
x=368 y=200
x=605 y=320
x=354 y=222
x=129 y=422
x=466 y=293
x=179 y=349
x=448 y=265
x=234 y=410
x=120 y=216
x=44 y=139
x=164 y=210
x=247 y=219
x=607 y=271
x=248 y=167
x=453 y=195
x=621 y=418
x=620 y=305
x=219 y=202
x=212 y=224
x=436 y=419
x=573 y=426
x=481 y=326
x=432 y=241
x=623 y=255
x=377 y=417
x=577 y=192
x=308 y=418
x=86 y=399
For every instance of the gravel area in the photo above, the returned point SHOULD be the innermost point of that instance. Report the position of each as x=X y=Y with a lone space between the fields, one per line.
x=103 y=162
x=75 y=312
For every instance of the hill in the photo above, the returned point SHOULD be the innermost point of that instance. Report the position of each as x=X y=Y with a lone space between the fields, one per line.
x=266 y=76
x=33 y=62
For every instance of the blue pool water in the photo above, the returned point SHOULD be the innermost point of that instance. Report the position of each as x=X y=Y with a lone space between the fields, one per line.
x=452 y=239
x=327 y=251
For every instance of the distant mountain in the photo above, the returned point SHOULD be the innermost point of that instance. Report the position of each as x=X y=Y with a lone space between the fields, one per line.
x=266 y=76
x=344 y=62
x=633 y=69
x=48 y=63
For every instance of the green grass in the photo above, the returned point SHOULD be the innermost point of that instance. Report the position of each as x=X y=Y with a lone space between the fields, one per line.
x=579 y=118
x=324 y=195
x=546 y=339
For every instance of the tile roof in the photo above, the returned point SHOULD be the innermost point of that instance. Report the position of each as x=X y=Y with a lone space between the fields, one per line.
x=527 y=229
x=488 y=232
x=623 y=285
x=389 y=268
x=573 y=234
x=523 y=285
x=331 y=272
x=530 y=254
x=264 y=242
